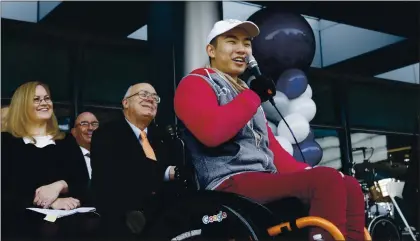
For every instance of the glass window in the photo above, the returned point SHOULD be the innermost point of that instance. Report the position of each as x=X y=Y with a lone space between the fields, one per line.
x=389 y=153
x=391 y=106
x=109 y=69
x=28 y=56
x=21 y=11
x=409 y=74
x=104 y=114
x=330 y=143
x=342 y=41
x=63 y=112
x=323 y=96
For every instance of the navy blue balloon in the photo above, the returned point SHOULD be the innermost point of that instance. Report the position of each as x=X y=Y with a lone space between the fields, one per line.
x=310 y=136
x=286 y=41
x=311 y=150
x=292 y=83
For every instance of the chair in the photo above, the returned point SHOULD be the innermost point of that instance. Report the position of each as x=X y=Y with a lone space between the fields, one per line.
x=260 y=220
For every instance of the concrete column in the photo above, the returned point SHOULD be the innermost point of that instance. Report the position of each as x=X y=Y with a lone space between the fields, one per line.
x=199 y=20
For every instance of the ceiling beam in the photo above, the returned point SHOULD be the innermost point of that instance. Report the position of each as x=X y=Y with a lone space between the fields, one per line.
x=397 y=18
x=391 y=57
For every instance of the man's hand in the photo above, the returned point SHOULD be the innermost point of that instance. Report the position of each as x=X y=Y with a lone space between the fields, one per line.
x=65 y=203
x=264 y=87
x=46 y=195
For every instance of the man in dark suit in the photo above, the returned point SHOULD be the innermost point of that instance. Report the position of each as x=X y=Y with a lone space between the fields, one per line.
x=84 y=125
x=128 y=166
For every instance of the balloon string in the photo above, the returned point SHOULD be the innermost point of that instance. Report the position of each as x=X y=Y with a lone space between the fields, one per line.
x=290 y=129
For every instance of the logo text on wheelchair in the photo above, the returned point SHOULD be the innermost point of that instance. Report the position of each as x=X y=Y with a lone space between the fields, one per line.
x=214 y=218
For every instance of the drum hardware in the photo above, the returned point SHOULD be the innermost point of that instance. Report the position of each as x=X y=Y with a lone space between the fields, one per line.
x=380 y=206
x=384 y=228
x=379 y=210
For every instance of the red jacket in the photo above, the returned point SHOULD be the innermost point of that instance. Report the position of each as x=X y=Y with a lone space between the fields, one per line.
x=197 y=107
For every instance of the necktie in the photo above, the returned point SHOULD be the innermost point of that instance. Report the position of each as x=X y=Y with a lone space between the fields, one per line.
x=87 y=154
x=147 y=148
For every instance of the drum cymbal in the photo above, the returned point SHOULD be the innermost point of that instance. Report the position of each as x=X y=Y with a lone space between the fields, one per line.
x=392 y=170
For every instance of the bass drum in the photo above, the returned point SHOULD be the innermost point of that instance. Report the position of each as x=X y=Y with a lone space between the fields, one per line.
x=384 y=228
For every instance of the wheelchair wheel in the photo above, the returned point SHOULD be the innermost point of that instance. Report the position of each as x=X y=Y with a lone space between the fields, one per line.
x=206 y=221
x=384 y=228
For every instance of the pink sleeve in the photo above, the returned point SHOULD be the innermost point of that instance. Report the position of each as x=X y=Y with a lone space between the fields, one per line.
x=196 y=105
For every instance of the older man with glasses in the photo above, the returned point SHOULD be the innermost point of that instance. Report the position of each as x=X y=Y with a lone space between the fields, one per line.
x=128 y=162
x=82 y=131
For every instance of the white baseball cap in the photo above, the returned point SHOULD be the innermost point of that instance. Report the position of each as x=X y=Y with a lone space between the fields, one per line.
x=223 y=26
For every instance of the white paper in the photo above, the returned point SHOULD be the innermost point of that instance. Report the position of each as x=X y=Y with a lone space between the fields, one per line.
x=62 y=213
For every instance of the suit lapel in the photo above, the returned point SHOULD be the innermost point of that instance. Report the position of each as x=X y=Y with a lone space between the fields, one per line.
x=133 y=144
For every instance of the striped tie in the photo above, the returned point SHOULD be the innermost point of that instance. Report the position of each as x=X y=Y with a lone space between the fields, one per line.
x=147 y=148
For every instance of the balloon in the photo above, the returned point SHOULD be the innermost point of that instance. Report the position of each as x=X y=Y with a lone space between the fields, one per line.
x=287 y=146
x=299 y=126
x=311 y=150
x=308 y=92
x=292 y=83
x=304 y=106
x=273 y=127
x=310 y=136
x=282 y=103
x=286 y=41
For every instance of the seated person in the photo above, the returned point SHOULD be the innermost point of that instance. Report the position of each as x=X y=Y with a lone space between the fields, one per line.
x=84 y=125
x=41 y=166
x=128 y=161
x=4 y=111
x=232 y=148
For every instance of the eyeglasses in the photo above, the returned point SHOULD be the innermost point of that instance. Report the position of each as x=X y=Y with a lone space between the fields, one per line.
x=145 y=95
x=38 y=100
x=94 y=124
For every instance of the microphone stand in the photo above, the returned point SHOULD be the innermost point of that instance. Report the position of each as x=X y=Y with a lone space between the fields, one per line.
x=290 y=129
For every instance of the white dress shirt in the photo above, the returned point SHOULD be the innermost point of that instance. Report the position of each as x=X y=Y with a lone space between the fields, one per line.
x=137 y=133
x=87 y=160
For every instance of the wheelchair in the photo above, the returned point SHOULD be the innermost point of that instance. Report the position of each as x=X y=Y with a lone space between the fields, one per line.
x=194 y=214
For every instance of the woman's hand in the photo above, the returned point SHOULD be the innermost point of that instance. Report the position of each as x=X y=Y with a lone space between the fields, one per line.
x=68 y=203
x=46 y=195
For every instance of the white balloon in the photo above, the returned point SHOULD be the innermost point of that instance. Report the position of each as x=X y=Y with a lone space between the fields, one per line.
x=304 y=106
x=287 y=146
x=282 y=103
x=307 y=93
x=299 y=126
x=273 y=127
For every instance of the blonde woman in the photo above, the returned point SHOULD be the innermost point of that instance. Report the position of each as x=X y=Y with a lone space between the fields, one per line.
x=4 y=111
x=41 y=167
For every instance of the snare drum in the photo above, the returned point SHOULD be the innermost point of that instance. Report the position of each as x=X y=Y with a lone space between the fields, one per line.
x=383 y=228
x=381 y=209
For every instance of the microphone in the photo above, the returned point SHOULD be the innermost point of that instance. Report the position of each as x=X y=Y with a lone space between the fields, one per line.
x=253 y=65
x=255 y=70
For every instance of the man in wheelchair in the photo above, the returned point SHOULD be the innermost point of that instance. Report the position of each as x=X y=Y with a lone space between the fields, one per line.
x=233 y=150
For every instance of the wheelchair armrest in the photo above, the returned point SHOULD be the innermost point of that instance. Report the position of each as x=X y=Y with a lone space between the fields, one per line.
x=306 y=222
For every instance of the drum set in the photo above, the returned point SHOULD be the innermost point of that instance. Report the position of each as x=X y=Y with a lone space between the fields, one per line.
x=380 y=210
